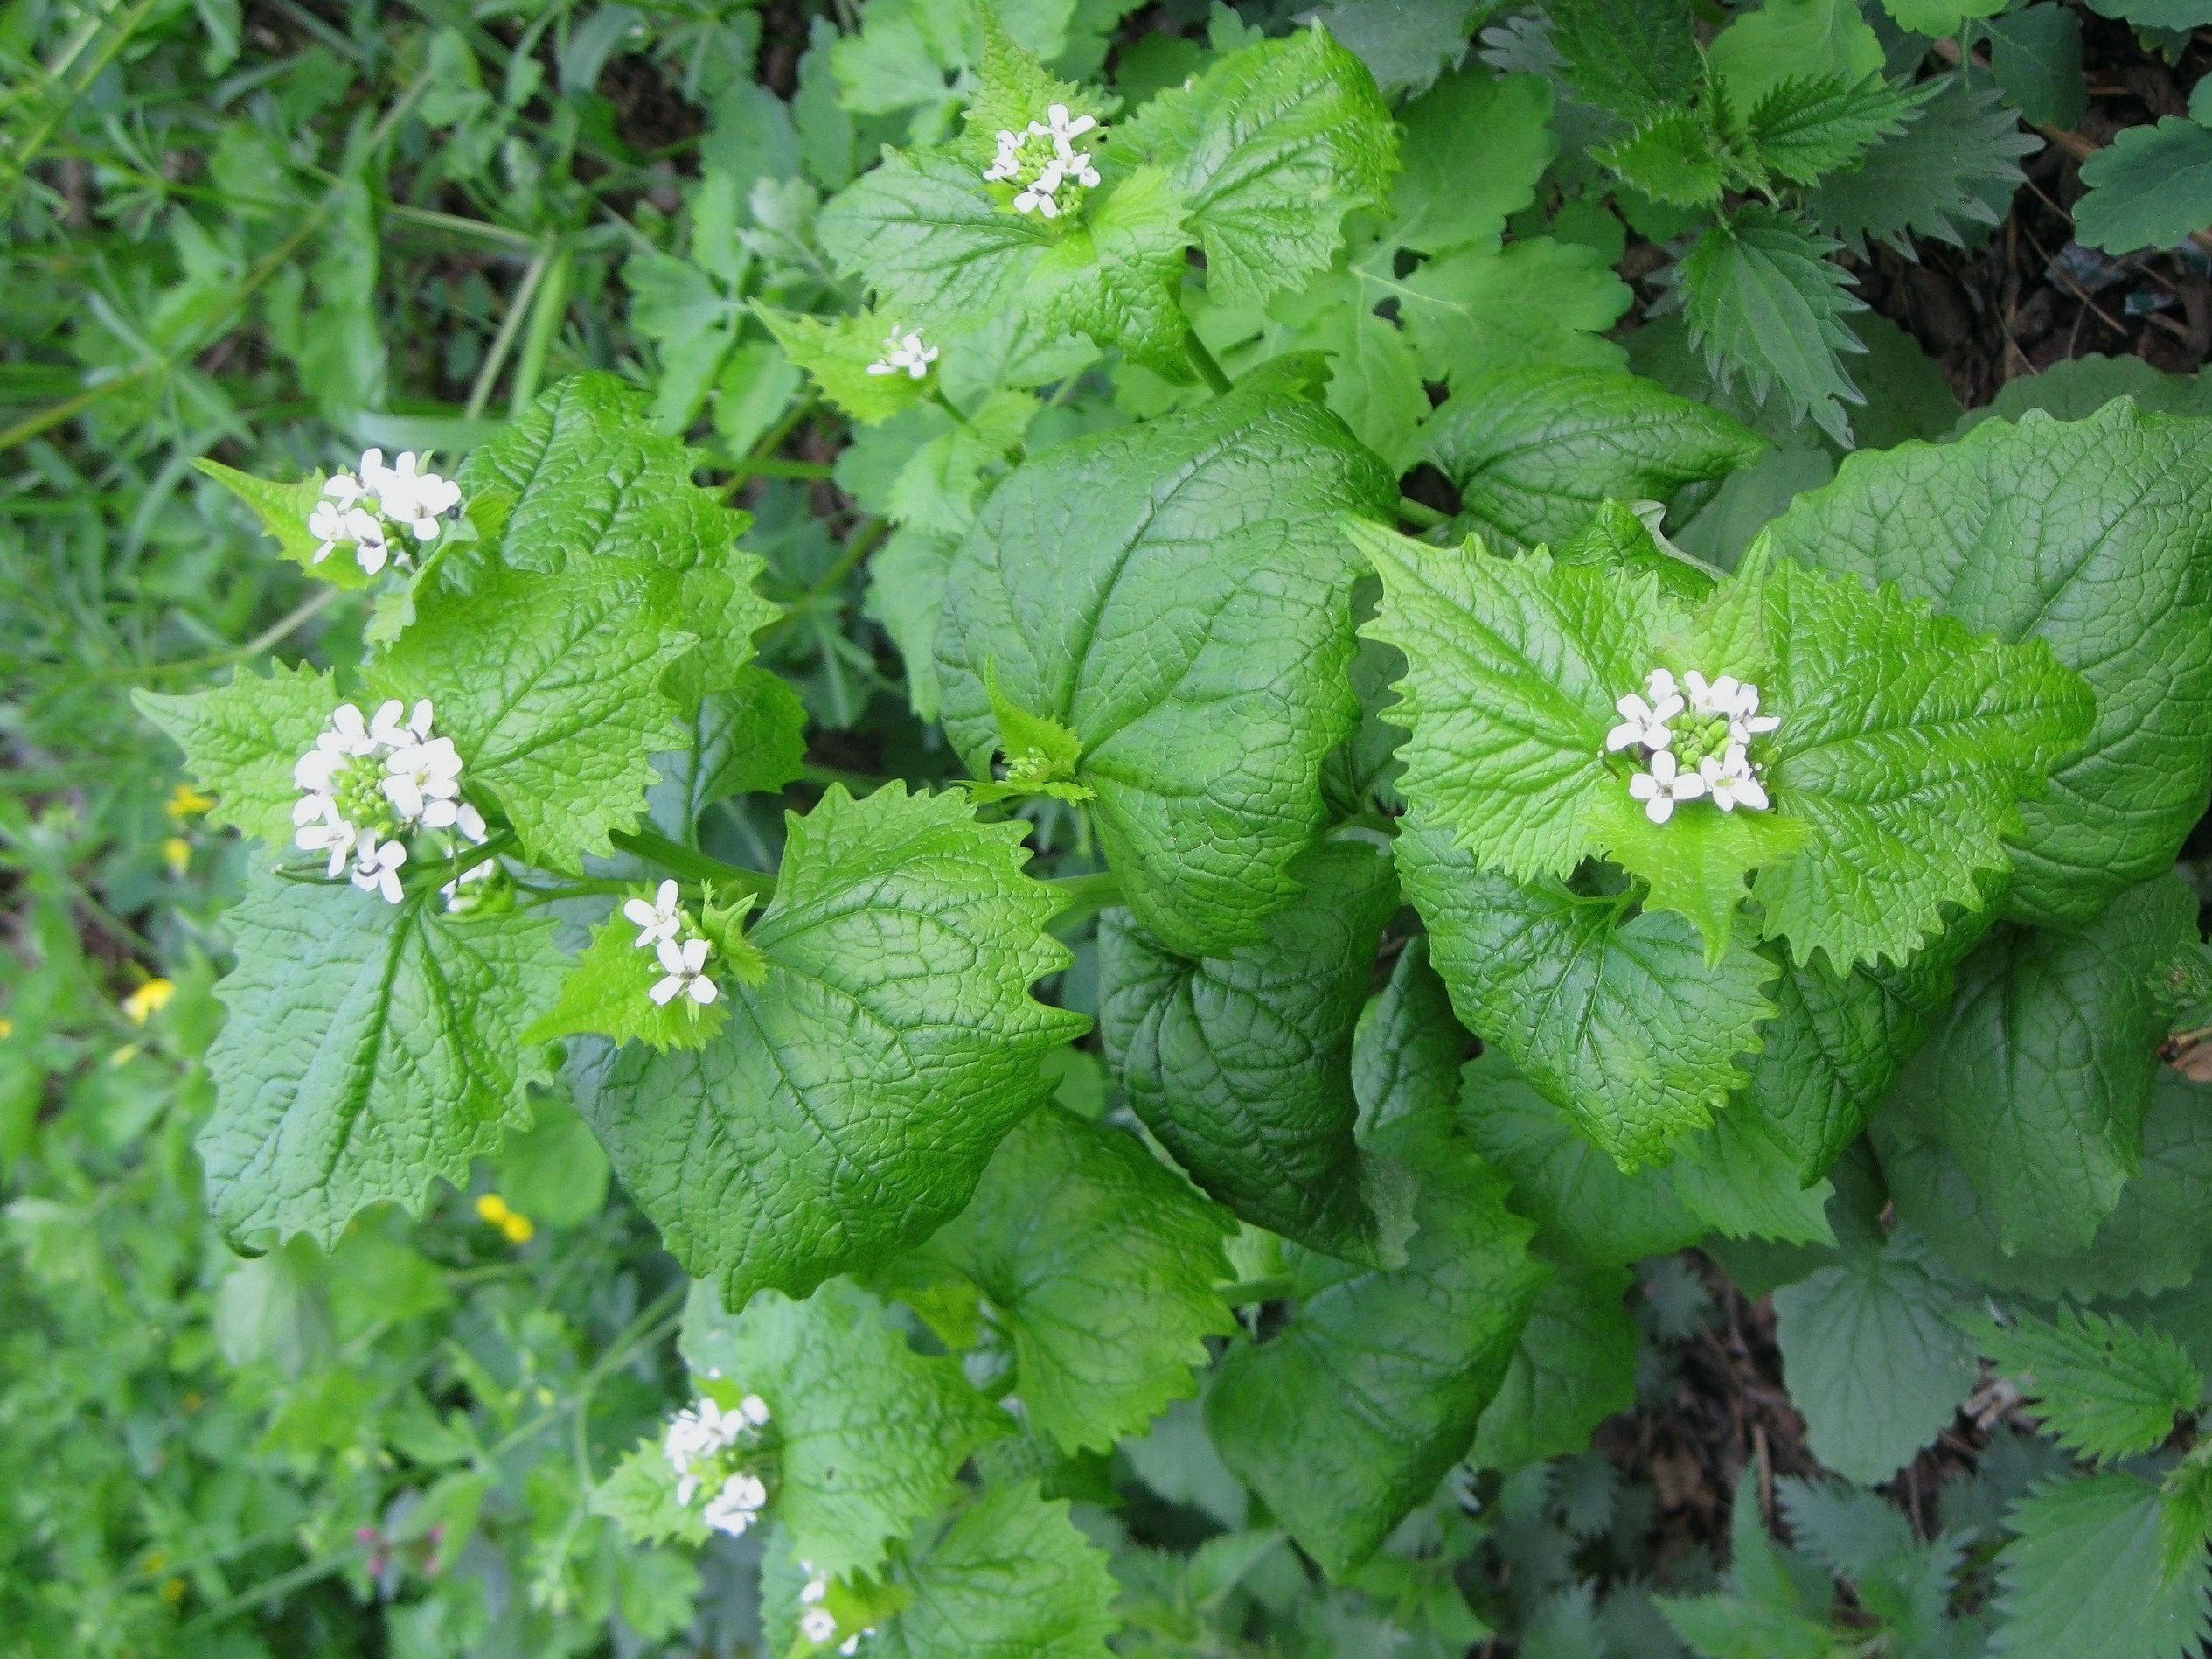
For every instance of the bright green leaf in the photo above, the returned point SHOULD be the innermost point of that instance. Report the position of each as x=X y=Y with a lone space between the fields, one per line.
x=1011 y=1578
x=241 y=741
x=1573 y=1368
x=2104 y=1388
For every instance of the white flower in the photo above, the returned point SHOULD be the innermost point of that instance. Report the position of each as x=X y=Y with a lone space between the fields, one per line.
x=385 y=727
x=367 y=531
x=660 y=921
x=408 y=496
x=470 y=823
x=686 y=967
x=1645 y=723
x=737 y=1506
x=1007 y=166
x=1057 y=127
x=754 y=1410
x=814 y=1589
x=907 y=353
x=851 y=1644
x=423 y=783
x=1733 y=781
x=1662 y=786
x=817 y=1624
x=1042 y=196
x=320 y=827
x=378 y=868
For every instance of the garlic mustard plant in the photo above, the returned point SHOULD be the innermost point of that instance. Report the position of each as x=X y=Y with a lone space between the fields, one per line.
x=1047 y=173
x=1695 y=737
x=724 y=1454
x=904 y=353
x=366 y=510
x=368 y=783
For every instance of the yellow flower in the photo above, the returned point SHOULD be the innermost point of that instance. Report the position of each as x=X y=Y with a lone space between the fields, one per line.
x=519 y=1229
x=187 y=802
x=172 y=1591
x=493 y=1209
x=149 y=1000
x=7 y=1028
x=179 y=853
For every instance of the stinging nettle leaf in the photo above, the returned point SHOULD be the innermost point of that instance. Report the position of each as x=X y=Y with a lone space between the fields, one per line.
x=869 y=1433
x=1192 y=628
x=2102 y=1389
x=849 y=1107
x=1270 y=148
x=1101 y=1265
x=1957 y=164
x=2084 y=1574
x=1629 y=56
x=1802 y=128
x=370 y=1050
x=1241 y=1063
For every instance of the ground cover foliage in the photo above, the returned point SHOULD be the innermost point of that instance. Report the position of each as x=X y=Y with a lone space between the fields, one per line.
x=1053 y=829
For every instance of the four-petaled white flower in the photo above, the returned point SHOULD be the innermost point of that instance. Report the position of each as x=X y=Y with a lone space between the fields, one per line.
x=685 y=966
x=368 y=782
x=1645 y=723
x=659 y=921
x=364 y=509
x=1062 y=130
x=1663 y=785
x=906 y=355
x=1731 y=780
x=817 y=1624
x=1042 y=159
x=737 y=1506
x=319 y=828
x=378 y=868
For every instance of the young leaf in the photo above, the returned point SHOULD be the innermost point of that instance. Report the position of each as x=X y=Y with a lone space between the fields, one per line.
x=1202 y=739
x=2084 y=1574
x=1423 y=1349
x=936 y=249
x=1629 y=56
x=1011 y=1578
x=1623 y=1024
x=1671 y=156
x=1101 y=1265
x=609 y=994
x=639 y=1497
x=1408 y=1047
x=1438 y=205
x=2040 y=1080
x=241 y=741
x=1763 y=300
x=370 y=1050
x=1241 y=1063
x=1117 y=276
x=2150 y=187
x=1872 y=1356
x=2102 y=1389
x=1957 y=164
x=1481 y=308
x=283 y=510
x=549 y=687
x=869 y=1433
x=849 y=1107
x=1574 y=1367
x=1801 y=129
x=1786 y=40
x=1905 y=742
x=837 y=351
x=1014 y=90
x=1270 y=148
x=1587 y=1212
x=1532 y=452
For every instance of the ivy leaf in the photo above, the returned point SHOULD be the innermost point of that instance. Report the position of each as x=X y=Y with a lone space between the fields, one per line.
x=1872 y=1356
x=1574 y=1366
x=1241 y=1063
x=549 y=687
x=2040 y=1080
x=1408 y=1047
x=1956 y=165
x=1534 y=452
x=849 y=1107
x=1192 y=629
x=2102 y=1389
x=836 y=352
x=1801 y=129
x=370 y=1050
x=936 y=249
x=1423 y=1349
x=869 y=1433
x=2150 y=187
x=1763 y=300
x=1587 y=1212
x=1629 y=57
x=2089 y=536
x=609 y=994
x=1622 y=1023
x=241 y=741
x=2084 y=1574
x=1101 y=1265
x=1439 y=204
x=639 y=1497
x=1118 y=276
x=1906 y=741
x=1270 y=148
x=283 y=510
x=1478 y=309
x=1011 y=1578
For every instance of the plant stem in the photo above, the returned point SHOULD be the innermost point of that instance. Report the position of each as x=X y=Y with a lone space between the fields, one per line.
x=771 y=440
x=545 y=328
x=678 y=860
x=775 y=466
x=503 y=342
x=1246 y=1291
x=1085 y=896
x=1420 y=513
x=1202 y=361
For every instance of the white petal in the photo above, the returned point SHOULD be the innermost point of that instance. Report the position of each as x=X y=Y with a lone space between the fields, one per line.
x=754 y=1409
x=347 y=719
x=1659 y=808
x=440 y=814
x=641 y=913
x=695 y=955
x=672 y=958
x=665 y=992
x=1623 y=736
x=1663 y=768
x=704 y=991
x=1643 y=786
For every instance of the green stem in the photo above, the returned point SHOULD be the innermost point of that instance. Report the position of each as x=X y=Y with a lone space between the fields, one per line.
x=775 y=467
x=857 y=547
x=1246 y=1291
x=504 y=341
x=1085 y=896
x=678 y=860
x=545 y=328
x=1201 y=359
x=771 y=440
x=1420 y=513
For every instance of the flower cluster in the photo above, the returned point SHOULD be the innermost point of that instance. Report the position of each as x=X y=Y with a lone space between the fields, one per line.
x=904 y=353
x=664 y=925
x=717 y=1452
x=1695 y=739
x=369 y=782
x=816 y=1623
x=366 y=510
x=1043 y=162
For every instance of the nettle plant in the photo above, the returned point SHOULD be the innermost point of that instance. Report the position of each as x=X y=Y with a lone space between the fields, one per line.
x=1672 y=878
